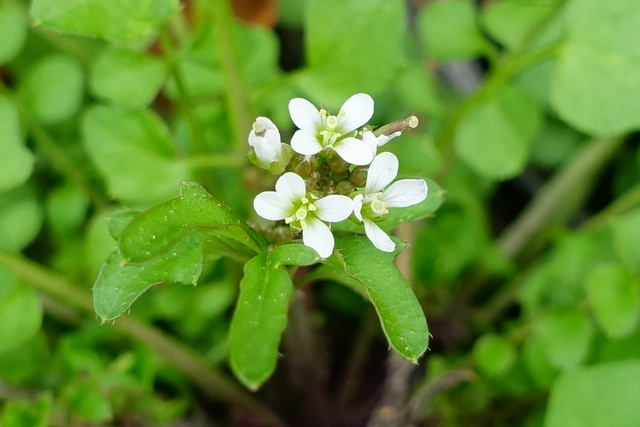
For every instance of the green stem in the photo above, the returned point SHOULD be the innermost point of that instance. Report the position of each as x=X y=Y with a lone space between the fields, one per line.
x=58 y=157
x=211 y=382
x=626 y=202
x=559 y=198
x=238 y=98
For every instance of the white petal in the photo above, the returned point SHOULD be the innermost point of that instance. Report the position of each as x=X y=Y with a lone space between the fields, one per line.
x=334 y=208
x=265 y=151
x=355 y=112
x=304 y=114
x=291 y=186
x=405 y=192
x=317 y=235
x=305 y=142
x=271 y=205
x=383 y=170
x=383 y=139
x=267 y=123
x=379 y=238
x=357 y=206
x=371 y=141
x=354 y=151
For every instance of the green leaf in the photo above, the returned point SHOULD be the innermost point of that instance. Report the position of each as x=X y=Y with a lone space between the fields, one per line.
x=494 y=354
x=493 y=137
x=127 y=78
x=20 y=218
x=84 y=397
x=596 y=84
x=16 y=161
x=401 y=316
x=66 y=208
x=120 y=283
x=52 y=89
x=449 y=30
x=614 y=296
x=355 y=50
x=565 y=334
x=133 y=150
x=157 y=230
x=603 y=395
x=294 y=253
x=117 y=20
x=259 y=320
x=626 y=230
x=13 y=27
x=512 y=21
x=20 y=312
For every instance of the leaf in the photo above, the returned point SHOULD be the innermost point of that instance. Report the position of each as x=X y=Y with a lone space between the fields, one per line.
x=20 y=218
x=119 y=283
x=356 y=50
x=116 y=20
x=565 y=335
x=602 y=395
x=294 y=254
x=134 y=153
x=49 y=102
x=160 y=228
x=16 y=161
x=493 y=137
x=626 y=230
x=20 y=312
x=596 y=83
x=127 y=78
x=450 y=30
x=512 y=21
x=13 y=26
x=259 y=320
x=401 y=315
x=614 y=296
x=494 y=354
x=20 y=413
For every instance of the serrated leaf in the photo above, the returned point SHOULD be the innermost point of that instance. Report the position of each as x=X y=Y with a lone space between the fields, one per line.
x=400 y=313
x=615 y=297
x=450 y=30
x=16 y=161
x=117 y=20
x=259 y=320
x=134 y=153
x=119 y=283
x=602 y=395
x=493 y=137
x=596 y=82
x=155 y=231
x=347 y=52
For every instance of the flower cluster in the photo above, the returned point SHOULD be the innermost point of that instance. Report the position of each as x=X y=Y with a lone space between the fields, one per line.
x=331 y=172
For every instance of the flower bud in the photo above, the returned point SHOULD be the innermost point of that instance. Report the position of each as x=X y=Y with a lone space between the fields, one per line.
x=345 y=188
x=358 y=176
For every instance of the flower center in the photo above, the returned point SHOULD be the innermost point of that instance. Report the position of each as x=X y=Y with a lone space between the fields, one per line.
x=299 y=218
x=329 y=132
x=375 y=208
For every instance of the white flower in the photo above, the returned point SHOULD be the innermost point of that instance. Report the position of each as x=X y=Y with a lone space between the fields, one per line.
x=266 y=142
x=291 y=203
x=320 y=130
x=371 y=205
